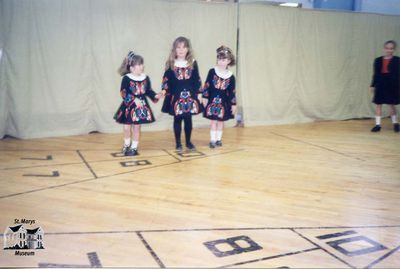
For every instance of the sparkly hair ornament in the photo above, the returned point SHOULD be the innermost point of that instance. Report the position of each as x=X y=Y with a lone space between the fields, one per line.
x=130 y=60
x=130 y=55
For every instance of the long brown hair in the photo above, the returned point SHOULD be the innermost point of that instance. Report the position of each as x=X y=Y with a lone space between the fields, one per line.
x=131 y=59
x=172 y=55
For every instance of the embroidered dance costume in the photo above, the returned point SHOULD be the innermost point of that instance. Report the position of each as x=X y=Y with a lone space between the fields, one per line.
x=182 y=85
x=386 y=80
x=219 y=89
x=134 y=108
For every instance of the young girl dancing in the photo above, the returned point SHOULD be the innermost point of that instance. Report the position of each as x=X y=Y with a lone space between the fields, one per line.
x=219 y=95
x=181 y=87
x=134 y=109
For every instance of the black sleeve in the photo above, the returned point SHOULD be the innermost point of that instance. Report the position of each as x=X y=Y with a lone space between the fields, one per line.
x=196 y=78
x=232 y=91
x=396 y=66
x=207 y=83
x=375 y=73
x=125 y=92
x=166 y=83
x=149 y=91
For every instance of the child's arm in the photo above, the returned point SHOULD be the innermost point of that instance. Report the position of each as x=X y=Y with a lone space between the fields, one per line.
x=196 y=78
x=150 y=92
x=232 y=94
x=197 y=81
x=159 y=95
x=374 y=76
x=205 y=89
x=125 y=92
x=165 y=87
x=205 y=95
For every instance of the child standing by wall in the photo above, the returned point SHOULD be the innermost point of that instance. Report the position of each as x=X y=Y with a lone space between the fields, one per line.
x=219 y=95
x=134 y=109
x=386 y=85
x=181 y=87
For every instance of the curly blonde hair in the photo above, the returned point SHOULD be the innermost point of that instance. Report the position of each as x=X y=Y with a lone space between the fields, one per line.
x=172 y=55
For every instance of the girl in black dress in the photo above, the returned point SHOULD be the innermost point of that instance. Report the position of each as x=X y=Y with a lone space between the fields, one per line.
x=181 y=87
x=134 y=109
x=219 y=97
x=386 y=84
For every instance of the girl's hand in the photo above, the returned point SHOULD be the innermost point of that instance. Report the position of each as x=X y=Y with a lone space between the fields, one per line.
x=163 y=92
x=233 y=109
x=156 y=98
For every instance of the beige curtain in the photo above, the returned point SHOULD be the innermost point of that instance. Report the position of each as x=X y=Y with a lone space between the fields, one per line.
x=59 y=71
x=304 y=65
x=3 y=96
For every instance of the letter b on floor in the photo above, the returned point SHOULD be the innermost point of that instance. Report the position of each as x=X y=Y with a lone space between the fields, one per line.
x=232 y=243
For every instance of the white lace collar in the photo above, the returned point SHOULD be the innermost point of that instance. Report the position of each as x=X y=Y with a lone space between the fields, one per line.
x=223 y=75
x=136 y=78
x=181 y=63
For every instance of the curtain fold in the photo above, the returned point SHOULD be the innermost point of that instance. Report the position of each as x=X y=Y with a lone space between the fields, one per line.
x=305 y=65
x=46 y=64
x=58 y=71
x=59 y=74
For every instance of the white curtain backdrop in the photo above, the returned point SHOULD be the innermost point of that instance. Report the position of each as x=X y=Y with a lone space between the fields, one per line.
x=58 y=72
x=3 y=93
x=305 y=65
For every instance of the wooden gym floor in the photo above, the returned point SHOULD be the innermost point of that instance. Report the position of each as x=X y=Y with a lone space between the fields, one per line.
x=322 y=195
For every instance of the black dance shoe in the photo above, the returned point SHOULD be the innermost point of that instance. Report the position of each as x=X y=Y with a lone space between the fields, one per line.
x=396 y=127
x=190 y=146
x=218 y=143
x=125 y=149
x=132 y=152
x=376 y=128
x=178 y=147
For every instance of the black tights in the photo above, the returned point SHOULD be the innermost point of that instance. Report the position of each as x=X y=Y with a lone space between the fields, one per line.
x=178 y=128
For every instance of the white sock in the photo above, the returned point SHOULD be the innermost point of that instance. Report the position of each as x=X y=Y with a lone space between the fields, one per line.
x=394 y=119
x=219 y=135
x=127 y=142
x=378 y=120
x=134 y=144
x=213 y=136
